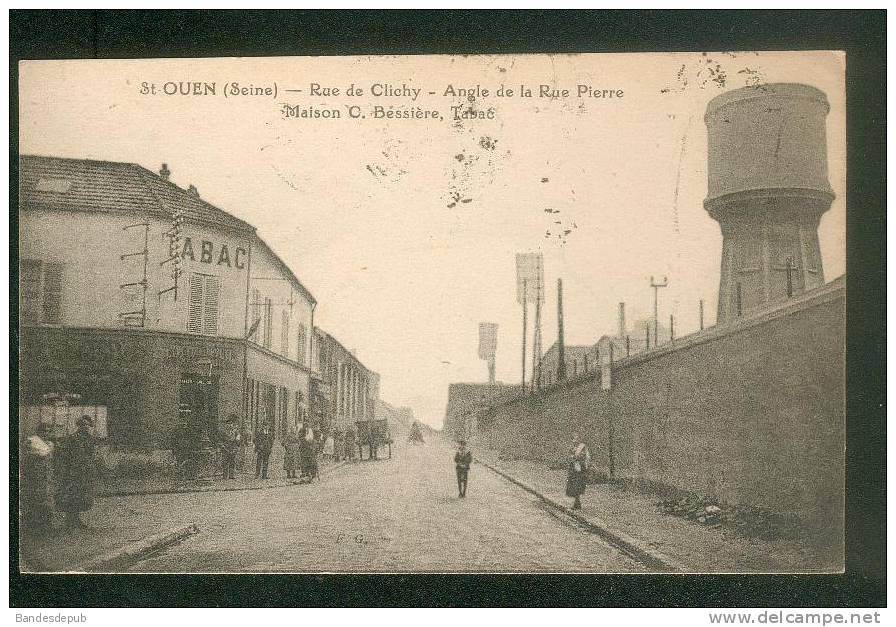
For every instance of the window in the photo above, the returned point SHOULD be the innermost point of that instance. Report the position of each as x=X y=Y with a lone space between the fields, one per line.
x=284 y=333
x=303 y=343
x=203 y=309
x=267 y=323
x=40 y=290
x=53 y=186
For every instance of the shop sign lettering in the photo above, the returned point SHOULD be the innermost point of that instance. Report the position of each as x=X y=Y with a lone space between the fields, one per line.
x=205 y=251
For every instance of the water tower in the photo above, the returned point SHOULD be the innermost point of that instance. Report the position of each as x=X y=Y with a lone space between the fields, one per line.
x=768 y=188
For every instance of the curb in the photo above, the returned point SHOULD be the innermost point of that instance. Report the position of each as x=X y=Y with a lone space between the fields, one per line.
x=131 y=553
x=620 y=540
x=211 y=488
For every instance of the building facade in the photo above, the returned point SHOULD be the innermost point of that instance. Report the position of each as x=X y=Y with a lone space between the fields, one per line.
x=347 y=390
x=148 y=307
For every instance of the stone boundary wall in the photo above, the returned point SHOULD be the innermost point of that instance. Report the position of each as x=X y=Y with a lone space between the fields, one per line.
x=749 y=413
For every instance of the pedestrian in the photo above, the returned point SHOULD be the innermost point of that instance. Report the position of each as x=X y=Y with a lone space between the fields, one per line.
x=230 y=446
x=350 y=444
x=309 y=456
x=462 y=460
x=185 y=446
x=76 y=473
x=264 y=442
x=338 y=444
x=37 y=465
x=243 y=458
x=291 y=454
x=329 y=447
x=579 y=459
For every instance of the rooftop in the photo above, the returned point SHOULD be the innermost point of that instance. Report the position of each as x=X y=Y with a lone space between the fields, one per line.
x=108 y=186
x=65 y=184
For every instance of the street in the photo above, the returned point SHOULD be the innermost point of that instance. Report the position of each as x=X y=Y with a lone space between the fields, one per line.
x=398 y=515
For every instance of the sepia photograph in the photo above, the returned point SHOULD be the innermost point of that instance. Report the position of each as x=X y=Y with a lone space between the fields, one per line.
x=523 y=313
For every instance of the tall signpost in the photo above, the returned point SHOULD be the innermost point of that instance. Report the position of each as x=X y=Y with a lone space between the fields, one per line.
x=488 y=346
x=530 y=288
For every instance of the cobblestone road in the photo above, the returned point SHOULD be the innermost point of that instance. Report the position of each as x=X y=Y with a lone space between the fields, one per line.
x=398 y=515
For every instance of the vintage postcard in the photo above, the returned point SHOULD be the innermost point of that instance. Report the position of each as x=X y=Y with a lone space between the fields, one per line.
x=572 y=313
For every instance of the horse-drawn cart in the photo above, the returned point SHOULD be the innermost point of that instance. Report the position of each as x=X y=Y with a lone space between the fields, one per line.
x=373 y=434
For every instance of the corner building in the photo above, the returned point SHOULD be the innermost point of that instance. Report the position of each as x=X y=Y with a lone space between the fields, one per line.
x=107 y=330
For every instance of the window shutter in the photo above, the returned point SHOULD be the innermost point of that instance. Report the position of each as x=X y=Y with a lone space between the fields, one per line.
x=302 y=342
x=210 y=308
x=194 y=324
x=53 y=293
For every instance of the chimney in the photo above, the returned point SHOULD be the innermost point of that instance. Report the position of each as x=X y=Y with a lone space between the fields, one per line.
x=620 y=332
x=165 y=173
x=192 y=191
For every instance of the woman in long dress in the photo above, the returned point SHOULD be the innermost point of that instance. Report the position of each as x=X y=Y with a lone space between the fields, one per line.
x=309 y=455
x=291 y=455
x=579 y=458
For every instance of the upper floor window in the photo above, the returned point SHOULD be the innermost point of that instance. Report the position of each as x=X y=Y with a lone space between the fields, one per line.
x=267 y=323
x=303 y=344
x=284 y=333
x=40 y=290
x=204 y=299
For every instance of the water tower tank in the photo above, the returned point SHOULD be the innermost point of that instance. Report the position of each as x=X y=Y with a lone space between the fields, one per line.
x=768 y=187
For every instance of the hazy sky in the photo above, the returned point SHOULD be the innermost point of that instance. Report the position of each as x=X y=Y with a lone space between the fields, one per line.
x=405 y=230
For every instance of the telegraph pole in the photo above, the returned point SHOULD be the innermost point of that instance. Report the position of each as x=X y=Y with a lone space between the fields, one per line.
x=656 y=288
x=536 y=337
x=525 y=329
x=561 y=366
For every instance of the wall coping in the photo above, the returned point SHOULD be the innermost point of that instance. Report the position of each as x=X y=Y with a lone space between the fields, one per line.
x=807 y=300
x=831 y=291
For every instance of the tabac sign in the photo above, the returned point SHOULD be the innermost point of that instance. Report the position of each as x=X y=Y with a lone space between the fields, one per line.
x=213 y=253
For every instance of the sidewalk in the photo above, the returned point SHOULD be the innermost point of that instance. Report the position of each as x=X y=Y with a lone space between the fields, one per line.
x=695 y=547
x=173 y=485
x=118 y=519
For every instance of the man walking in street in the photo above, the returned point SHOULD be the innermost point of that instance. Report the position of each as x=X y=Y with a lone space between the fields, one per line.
x=462 y=460
x=230 y=446
x=579 y=459
x=76 y=462
x=264 y=443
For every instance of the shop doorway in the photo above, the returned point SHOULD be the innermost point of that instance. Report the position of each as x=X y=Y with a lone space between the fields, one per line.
x=198 y=406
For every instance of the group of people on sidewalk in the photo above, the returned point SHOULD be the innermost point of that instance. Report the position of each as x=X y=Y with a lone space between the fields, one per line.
x=576 y=472
x=301 y=448
x=57 y=476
